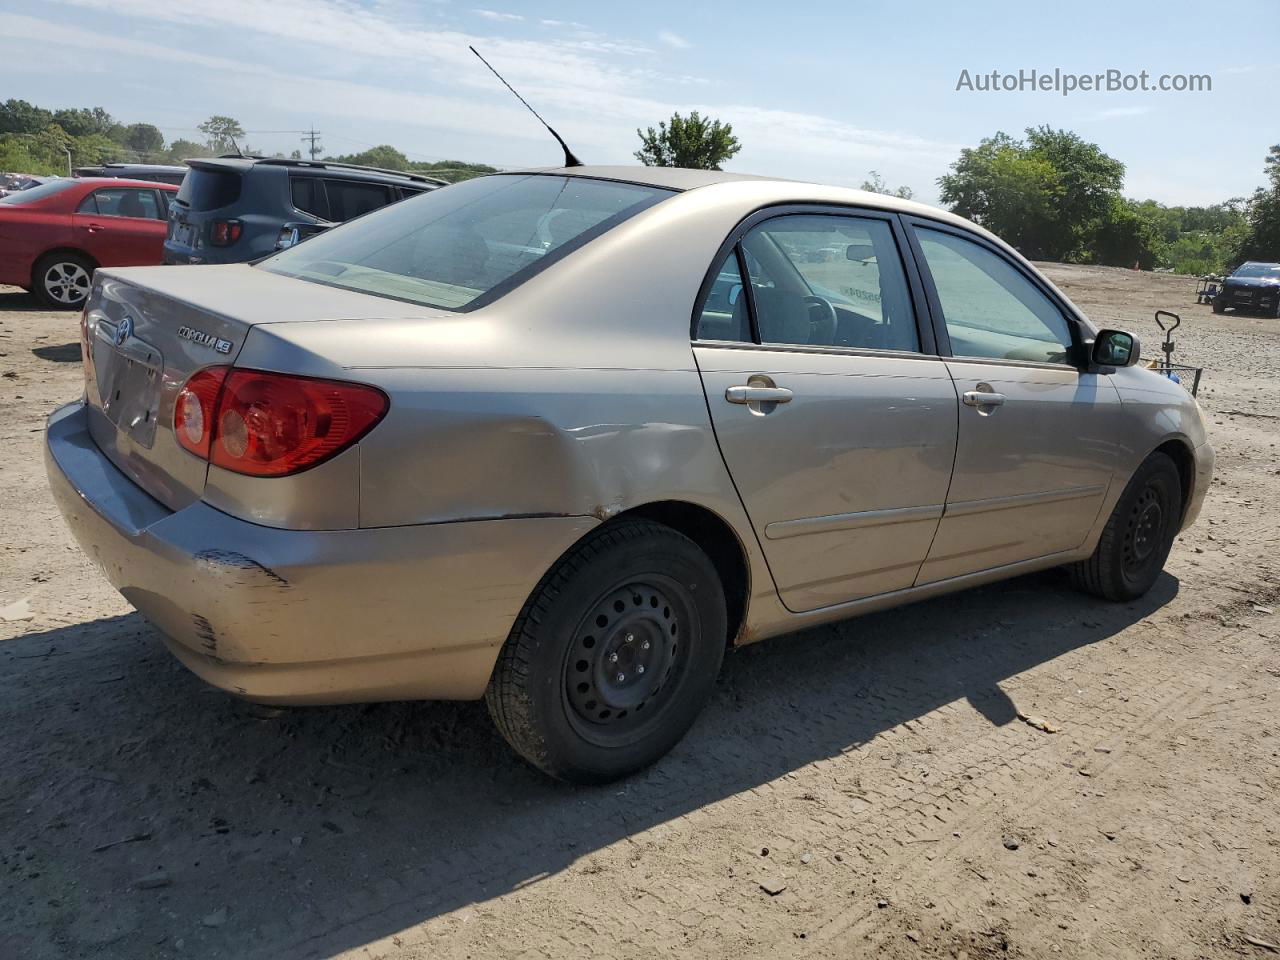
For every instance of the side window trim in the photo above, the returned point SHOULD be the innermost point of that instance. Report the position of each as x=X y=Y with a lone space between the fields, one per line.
x=88 y=204
x=1069 y=317
x=903 y=240
x=748 y=291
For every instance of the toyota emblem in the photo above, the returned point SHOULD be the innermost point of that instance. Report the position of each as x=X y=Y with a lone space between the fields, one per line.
x=124 y=331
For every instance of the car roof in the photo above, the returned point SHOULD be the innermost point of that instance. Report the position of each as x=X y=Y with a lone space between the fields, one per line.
x=329 y=168
x=796 y=191
x=124 y=182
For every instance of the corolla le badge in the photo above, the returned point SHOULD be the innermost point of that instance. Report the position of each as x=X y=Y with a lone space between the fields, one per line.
x=205 y=339
x=124 y=331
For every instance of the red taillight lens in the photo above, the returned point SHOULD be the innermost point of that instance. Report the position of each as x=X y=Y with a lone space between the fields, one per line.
x=272 y=424
x=195 y=408
x=223 y=233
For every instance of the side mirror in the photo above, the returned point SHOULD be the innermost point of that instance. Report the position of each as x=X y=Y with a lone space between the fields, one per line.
x=1115 y=348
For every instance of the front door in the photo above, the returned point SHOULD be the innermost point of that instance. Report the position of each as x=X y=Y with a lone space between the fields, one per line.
x=837 y=426
x=1036 y=448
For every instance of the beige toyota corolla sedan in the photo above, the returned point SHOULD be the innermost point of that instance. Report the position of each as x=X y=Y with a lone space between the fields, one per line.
x=558 y=438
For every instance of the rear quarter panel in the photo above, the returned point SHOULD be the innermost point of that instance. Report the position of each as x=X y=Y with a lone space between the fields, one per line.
x=26 y=234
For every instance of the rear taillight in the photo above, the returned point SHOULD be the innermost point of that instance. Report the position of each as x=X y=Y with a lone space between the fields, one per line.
x=223 y=233
x=195 y=409
x=272 y=424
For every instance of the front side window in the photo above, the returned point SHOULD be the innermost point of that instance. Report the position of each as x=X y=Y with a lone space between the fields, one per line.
x=990 y=308
x=477 y=239
x=123 y=202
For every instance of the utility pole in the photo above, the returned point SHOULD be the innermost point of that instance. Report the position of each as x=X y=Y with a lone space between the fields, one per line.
x=311 y=136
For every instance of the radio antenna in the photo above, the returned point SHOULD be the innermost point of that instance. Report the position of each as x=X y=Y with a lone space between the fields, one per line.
x=569 y=159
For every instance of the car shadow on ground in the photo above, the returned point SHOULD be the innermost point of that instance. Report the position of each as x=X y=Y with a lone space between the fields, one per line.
x=13 y=300
x=322 y=829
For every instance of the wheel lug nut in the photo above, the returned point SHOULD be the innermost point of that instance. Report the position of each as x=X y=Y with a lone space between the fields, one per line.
x=640 y=668
x=645 y=645
x=630 y=637
x=622 y=677
x=613 y=658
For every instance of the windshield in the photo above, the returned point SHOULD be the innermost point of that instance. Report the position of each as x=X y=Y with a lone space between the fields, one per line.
x=33 y=194
x=1258 y=270
x=467 y=244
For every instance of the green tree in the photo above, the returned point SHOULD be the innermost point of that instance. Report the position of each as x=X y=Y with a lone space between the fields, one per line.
x=85 y=122
x=223 y=134
x=144 y=139
x=1261 y=237
x=695 y=142
x=180 y=150
x=18 y=116
x=1123 y=236
x=875 y=184
x=1088 y=186
x=384 y=155
x=1006 y=189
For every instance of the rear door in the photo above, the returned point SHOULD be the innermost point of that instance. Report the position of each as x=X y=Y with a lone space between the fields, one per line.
x=1036 y=449
x=835 y=416
x=121 y=226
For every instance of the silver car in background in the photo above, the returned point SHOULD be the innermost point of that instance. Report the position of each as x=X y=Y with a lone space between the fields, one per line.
x=558 y=438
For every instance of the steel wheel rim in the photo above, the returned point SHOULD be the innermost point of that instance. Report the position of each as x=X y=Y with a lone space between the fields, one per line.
x=67 y=282
x=613 y=683
x=1145 y=530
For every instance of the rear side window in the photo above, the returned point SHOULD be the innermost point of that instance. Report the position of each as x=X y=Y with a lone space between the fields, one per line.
x=990 y=308
x=473 y=240
x=351 y=198
x=307 y=194
x=123 y=202
x=204 y=189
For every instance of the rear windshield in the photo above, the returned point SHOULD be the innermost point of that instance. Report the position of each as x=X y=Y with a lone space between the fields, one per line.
x=32 y=194
x=208 y=189
x=467 y=244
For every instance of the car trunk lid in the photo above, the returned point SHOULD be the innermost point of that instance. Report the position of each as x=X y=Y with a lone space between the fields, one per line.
x=147 y=330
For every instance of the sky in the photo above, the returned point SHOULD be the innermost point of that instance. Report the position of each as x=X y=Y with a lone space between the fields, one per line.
x=818 y=91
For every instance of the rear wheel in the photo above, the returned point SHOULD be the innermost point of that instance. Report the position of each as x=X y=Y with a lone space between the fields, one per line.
x=1217 y=306
x=614 y=655
x=62 y=280
x=1138 y=536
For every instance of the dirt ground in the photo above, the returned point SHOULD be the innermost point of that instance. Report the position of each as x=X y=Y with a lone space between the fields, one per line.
x=874 y=776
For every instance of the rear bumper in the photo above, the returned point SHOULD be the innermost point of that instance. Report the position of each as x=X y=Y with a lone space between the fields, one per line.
x=288 y=616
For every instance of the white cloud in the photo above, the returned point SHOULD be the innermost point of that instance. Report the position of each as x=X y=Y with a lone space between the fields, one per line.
x=674 y=40
x=1114 y=113
x=593 y=96
x=496 y=15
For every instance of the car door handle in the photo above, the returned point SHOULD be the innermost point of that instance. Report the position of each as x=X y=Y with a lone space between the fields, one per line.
x=752 y=394
x=983 y=398
x=95 y=227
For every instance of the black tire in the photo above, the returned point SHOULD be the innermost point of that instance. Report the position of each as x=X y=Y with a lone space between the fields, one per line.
x=636 y=591
x=1217 y=306
x=1138 y=536
x=62 y=280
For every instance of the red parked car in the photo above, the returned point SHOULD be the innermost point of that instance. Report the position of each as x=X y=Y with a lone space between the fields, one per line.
x=52 y=237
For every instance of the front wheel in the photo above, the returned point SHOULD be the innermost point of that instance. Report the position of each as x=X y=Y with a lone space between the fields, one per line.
x=1217 y=306
x=614 y=655
x=62 y=280
x=1138 y=536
